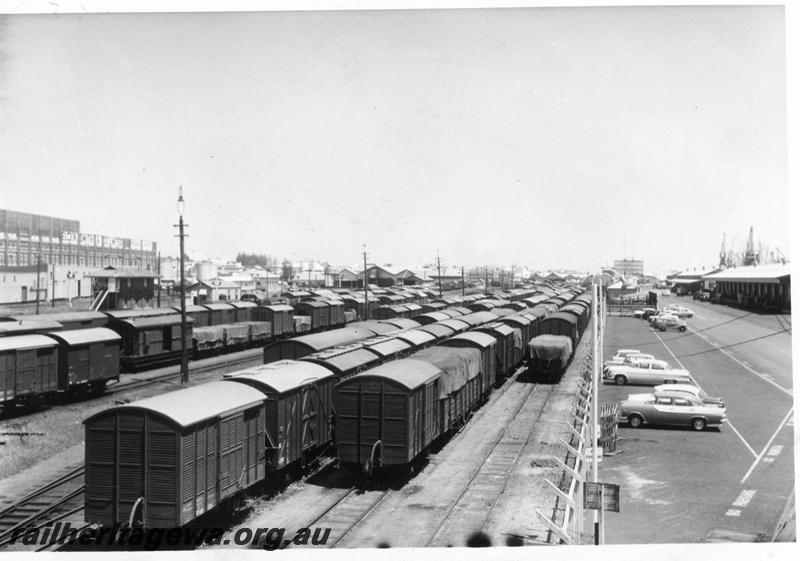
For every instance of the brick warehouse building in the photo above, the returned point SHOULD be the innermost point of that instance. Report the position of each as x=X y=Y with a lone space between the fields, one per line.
x=64 y=257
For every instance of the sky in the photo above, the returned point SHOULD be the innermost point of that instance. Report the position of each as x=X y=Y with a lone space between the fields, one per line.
x=550 y=137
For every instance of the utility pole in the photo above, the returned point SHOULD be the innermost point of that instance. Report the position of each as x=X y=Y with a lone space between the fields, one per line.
x=485 y=279
x=439 y=269
x=184 y=350
x=462 y=282
x=595 y=382
x=366 y=298
x=158 y=272
x=53 y=295
x=38 y=274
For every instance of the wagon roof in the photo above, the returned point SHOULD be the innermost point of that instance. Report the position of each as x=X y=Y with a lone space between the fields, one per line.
x=279 y=308
x=281 y=376
x=25 y=342
x=243 y=304
x=481 y=339
x=12 y=327
x=83 y=336
x=517 y=319
x=189 y=406
x=142 y=312
x=219 y=306
x=435 y=316
x=387 y=346
x=343 y=361
x=497 y=327
x=312 y=304
x=437 y=329
x=406 y=372
x=374 y=325
x=191 y=309
x=477 y=318
x=61 y=316
x=454 y=324
x=396 y=308
x=502 y=312
x=460 y=309
x=402 y=323
x=562 y=316
x=155 y=321
x=417 y=336
x=334 y=337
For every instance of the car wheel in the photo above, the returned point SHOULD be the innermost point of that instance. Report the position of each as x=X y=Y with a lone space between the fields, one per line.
x=683 y=328
x=635 y=421
x=698 y=424
x=620 y=380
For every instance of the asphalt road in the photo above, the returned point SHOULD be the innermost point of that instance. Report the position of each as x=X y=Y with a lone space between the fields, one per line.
x=726 y=484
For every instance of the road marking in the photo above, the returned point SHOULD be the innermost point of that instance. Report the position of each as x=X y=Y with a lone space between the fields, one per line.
x=790 y=422
x=728 y=421
x=744 y=498
x=775 y=450
x=733 y=512
x=767 y=378
x=761 y=455
x=768 y=460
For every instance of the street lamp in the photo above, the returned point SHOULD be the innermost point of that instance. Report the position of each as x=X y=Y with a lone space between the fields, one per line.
x=184 y=353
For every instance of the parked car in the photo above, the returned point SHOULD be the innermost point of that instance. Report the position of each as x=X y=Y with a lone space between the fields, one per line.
x=671 y=408
x=619 y=358
x=665 y=292
x=663 y=323
x=650 y=312
x=646 y=372
x=702 y=295
x=629 y=359
x=692 y=390
x=652 y=319
x=679 y=311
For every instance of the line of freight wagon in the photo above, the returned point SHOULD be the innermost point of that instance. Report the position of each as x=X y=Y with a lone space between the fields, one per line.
x=381 y=401
x=70 y=354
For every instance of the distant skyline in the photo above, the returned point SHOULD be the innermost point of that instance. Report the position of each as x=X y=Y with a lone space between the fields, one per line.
x=558 y=138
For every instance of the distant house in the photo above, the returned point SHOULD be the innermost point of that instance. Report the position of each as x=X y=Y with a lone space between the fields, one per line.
x=408 y=277
x=216 y=289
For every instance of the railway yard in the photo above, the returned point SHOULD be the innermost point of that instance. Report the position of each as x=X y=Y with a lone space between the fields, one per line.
x=475 y=466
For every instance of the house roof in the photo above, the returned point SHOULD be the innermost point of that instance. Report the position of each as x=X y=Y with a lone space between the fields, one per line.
x=770 y=273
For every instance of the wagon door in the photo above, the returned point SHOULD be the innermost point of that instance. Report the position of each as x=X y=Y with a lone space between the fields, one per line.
x=309 y=405
x=7 y=376
x=231 y=454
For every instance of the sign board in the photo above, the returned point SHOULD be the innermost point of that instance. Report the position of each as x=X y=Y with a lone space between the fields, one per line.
x=601 y=496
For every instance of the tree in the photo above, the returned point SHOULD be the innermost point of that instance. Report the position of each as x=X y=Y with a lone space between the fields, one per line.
x=287 y=271
x=253 y=259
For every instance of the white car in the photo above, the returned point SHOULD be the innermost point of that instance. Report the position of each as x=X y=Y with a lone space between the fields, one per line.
x=646 y=373
x=623 y=356
x=692 y=390
x=679 y=311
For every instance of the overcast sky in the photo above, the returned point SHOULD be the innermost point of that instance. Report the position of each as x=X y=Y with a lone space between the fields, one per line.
x=552 y=137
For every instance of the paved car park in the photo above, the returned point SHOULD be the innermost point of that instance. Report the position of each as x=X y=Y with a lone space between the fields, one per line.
x=728 y=483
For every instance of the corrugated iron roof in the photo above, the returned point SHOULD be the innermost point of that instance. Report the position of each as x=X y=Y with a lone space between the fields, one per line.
x=189 y=406
x=417 y=336
x=26 y=342
x=281 y=377
x=406 y=372
x=481 y=339
x=85 y=336
x=401 y=323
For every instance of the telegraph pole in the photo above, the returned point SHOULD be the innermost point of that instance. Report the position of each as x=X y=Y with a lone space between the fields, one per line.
x=439 y=269
x=53 y=295
x=158 y=272
x=181 y=236
x=595 y=382
x=366 y=299
x=486 y=279
x=462 y=282
x=38 y=274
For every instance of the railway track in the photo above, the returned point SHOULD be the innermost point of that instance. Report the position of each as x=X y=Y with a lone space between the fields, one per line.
x=478 y=498
x=59 y=499
x=347 y=511
x=224 y=361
